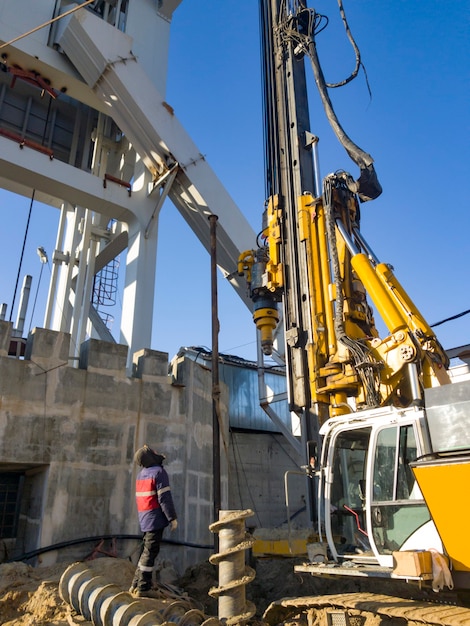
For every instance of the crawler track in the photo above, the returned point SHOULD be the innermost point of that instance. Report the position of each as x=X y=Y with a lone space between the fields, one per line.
x=364 y=609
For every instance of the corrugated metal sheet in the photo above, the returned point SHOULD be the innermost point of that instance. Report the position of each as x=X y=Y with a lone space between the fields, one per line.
x=244 y=409
x=241 y=377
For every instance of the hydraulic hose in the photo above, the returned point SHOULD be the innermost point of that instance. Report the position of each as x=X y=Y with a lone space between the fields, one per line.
x=73 y=542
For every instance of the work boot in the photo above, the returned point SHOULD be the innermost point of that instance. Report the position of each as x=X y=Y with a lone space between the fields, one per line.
x=147 y=593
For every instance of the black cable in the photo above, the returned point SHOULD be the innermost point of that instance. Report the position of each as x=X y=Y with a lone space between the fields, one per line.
x=449 y=319
x=359 y=156
x=364 y=364
x=74 y=542
x=22 y=253
x=293 y=516
x=29 y=215
x=357 y=52
x=300 y=30
x=46 y=121
x=270 y=118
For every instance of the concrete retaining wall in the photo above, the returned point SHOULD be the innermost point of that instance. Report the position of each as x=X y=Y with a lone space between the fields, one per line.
x=72 y=432
x=69 y=431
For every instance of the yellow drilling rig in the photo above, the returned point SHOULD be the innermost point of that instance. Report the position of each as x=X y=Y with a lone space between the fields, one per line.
x=386 y=434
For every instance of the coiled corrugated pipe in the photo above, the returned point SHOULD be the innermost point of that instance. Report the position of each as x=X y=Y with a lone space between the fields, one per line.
x=106 y=604
x=234 y=575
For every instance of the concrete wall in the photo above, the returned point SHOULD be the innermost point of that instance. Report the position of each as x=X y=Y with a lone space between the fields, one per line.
x=72 y=432
x=258 y=463
x=257 y=460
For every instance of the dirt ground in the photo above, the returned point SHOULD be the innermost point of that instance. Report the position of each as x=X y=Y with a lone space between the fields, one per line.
x=29 y=596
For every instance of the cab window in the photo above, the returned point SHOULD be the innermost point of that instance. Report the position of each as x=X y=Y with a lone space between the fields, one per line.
x=397 y=508
x=347 y=498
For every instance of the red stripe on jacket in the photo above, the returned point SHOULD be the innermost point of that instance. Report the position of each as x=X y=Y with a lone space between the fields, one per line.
x=146 y=495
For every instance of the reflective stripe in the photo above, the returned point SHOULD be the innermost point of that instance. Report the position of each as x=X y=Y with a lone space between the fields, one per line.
x=145 y=493
x=163 y=490
x=145 y=568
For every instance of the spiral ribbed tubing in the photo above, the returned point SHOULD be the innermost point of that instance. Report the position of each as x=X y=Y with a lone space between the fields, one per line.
x=234 y=575
x=105 y=604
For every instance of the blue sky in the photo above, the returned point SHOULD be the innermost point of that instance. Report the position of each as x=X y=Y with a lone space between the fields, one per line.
x=415 y=125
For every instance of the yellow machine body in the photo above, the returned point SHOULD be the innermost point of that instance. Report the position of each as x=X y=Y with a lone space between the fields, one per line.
x=442 y=482
x=332 y=375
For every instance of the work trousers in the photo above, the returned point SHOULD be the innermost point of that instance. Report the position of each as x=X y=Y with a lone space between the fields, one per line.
x=149 y=552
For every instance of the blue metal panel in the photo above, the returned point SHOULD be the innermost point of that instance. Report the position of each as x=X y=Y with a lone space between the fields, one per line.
x=241 y=377
x=244 y=408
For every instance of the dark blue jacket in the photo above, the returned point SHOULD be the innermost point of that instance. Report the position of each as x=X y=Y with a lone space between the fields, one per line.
x=154 y=500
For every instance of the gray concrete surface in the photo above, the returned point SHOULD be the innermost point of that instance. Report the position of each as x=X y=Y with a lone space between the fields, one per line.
x=69 y=431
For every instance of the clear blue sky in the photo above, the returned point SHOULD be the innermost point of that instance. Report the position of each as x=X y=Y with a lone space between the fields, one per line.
x=415 y=125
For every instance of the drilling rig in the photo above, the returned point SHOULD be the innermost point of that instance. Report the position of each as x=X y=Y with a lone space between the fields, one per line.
x=385 y=432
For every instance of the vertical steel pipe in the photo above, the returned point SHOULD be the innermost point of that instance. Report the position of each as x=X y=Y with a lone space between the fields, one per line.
x=215 y=373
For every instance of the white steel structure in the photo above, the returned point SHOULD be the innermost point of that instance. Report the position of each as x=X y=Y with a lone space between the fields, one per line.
x=83 y=97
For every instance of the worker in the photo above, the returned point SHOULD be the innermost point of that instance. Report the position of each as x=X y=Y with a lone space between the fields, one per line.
x=156 y=511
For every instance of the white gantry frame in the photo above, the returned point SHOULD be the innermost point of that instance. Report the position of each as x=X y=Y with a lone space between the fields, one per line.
x=115 y=73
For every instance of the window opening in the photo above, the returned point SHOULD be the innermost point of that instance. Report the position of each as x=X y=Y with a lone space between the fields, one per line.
x=10 y=498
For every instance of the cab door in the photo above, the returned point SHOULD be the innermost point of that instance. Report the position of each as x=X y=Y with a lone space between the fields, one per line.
x=343 y=489
x=370 y=501
x=396 y=511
